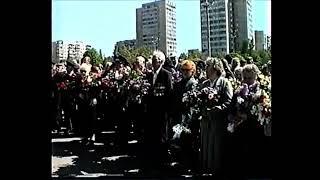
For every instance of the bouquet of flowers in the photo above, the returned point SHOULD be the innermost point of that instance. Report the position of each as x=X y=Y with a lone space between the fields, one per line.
x=235 y=83
x=265 y=82
x=190 y=98
x=203 y=99
x=262 y=107
x=244 y=100
x=179 y=129
x=176 y=76
x=208 y=97
x=62 y=86
x=138 y=89
x=86 y=82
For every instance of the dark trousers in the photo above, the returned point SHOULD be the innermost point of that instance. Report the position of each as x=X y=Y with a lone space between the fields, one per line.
x=87 y=119
x=136 y=117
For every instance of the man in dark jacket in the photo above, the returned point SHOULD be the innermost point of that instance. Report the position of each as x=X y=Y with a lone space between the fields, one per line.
x=156 y=125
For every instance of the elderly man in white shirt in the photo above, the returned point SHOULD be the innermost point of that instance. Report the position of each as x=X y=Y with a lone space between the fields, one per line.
x=158 y=101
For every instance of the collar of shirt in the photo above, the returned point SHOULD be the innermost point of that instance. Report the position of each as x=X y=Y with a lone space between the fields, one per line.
x=155 y=75
x=212 y=82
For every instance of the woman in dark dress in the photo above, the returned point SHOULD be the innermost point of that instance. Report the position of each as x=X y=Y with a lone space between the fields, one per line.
x=213 y=125
x=249 y=144
x=183 y=114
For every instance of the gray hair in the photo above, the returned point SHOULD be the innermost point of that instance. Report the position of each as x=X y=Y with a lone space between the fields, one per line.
x=160 y=55
x=236 y=61
x=251 y=68
x=216 y=64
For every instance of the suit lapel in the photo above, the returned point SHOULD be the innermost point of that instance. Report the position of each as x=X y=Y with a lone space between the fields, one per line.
x=158 y=79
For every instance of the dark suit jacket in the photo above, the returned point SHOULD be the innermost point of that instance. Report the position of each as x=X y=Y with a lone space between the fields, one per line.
x=177 y=106
x=158 y=106
x=162 y=88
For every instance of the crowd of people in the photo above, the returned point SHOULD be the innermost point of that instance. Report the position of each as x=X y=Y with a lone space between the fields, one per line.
x=217 y=112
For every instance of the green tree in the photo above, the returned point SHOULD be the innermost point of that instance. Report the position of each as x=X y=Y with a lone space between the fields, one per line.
x=233 y=55
x=100 y=54
x=94 y=56
x=143 y=51
x=132 y=53
x=255 y=55
x=194 y=55
x=183 y=56
x=219 y=55
x=125 y=52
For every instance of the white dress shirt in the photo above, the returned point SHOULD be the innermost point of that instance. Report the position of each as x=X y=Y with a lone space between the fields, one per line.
x=155 y=75
x=212 y=82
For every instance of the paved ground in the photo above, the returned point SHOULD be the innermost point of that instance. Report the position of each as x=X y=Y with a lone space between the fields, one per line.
x=72 y=158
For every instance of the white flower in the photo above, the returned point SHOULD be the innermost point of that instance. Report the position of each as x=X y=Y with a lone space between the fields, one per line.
x=254 y=110
x=230 y=127
x=240 y=100
x=205 y=90
x=195 y=94
x=255 y=96
x=267 y=120
x=185 y=98
x=210 y=96
x=260 y=118
x=118 y=75
x=94 y=101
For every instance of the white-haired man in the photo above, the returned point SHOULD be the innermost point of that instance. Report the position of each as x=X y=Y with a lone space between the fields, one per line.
x=156 y=127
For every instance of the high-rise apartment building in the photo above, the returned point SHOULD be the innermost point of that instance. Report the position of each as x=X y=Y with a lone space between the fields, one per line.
x=242 y=22
x=230 y=23
x=59 y=51
x=259 y=40
x=218 y=25
x=62 y=51
x=156 y=26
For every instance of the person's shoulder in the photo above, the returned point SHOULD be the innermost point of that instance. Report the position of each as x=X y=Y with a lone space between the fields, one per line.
x=164 y=71
x=239 y=68
x=223 y=79
x=205 y=82
x=193 y=80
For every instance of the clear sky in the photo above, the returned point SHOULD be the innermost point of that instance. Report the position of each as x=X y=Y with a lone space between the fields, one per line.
x=101 y=23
